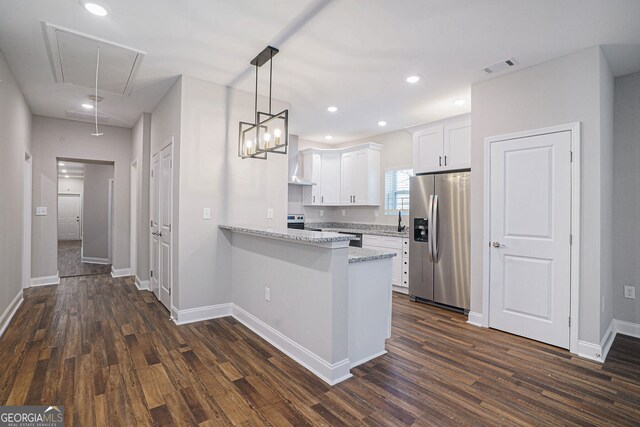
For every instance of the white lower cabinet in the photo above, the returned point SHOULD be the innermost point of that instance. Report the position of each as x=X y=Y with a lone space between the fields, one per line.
x=399 y=263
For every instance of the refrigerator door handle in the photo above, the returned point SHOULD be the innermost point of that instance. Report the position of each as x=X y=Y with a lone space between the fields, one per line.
x=435 y=234
x=429 y=229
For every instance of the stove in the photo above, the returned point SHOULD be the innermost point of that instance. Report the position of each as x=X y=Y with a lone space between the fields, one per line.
x=295 y=221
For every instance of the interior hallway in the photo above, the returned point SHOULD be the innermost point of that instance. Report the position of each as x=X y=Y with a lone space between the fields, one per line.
x=110 y=353
x=70 y=264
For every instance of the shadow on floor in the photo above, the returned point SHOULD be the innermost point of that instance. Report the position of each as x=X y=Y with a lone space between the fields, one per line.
x=70 y=264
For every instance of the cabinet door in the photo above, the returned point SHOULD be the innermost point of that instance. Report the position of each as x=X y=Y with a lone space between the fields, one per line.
x=347 y=178
x=457 y=146
x=330 y=182
x=316 y=176
x=361 y=181
x=428 y=147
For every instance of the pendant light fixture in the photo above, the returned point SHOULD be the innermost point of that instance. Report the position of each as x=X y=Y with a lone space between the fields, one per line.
x=269 y=133
x=98 y=133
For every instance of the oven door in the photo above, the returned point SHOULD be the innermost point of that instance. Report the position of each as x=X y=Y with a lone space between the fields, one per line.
x=296 y=225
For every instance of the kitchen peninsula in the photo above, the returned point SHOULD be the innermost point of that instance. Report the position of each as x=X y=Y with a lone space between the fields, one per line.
x=324 y=304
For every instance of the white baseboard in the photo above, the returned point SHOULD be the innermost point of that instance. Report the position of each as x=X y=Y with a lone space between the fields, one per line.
x=366 y=359
x=331 y=373
x=590 y=351
x=627 y=328
x=120 y=272
x=401 y=289
x=142 y=285
x=46 y=280
x=607 y=339
x=182 y=317
x=476 y=319
x=8 y=314
x=92 y=260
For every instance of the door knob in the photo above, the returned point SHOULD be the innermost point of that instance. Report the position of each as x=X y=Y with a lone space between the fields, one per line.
x=496 y=244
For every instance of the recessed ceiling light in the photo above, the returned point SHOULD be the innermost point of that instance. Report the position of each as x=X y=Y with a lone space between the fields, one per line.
x=87 y=106
x=332 y=109
x=382 y=123
x=413 y=79
x=460 y=102
x=328 y=137
x=95 y=9
x=63 y=171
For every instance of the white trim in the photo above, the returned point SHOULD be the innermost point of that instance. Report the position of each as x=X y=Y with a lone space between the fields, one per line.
x=575 y=345
x=331 y=373
x=8 y=314
x=46 y=280
x=607 y=339
x=92 y=260
x=182 y=317
x=133 y=216
x=366 y=359
x=111 y=219
x=27 y=206
x=476 y=319
x=120 y=272
x=627 y=328
x=400 y=289
x=142 y=285
x=590 y=351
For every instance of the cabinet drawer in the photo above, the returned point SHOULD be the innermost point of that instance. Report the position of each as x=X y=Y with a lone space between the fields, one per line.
x=405 y=273
x=382 y=241
x=405 y=248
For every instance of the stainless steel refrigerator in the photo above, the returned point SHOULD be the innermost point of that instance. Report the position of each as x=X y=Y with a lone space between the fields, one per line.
x=439 y=259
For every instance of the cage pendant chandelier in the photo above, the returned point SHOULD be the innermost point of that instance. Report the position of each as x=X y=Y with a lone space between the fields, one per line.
x=269 y=133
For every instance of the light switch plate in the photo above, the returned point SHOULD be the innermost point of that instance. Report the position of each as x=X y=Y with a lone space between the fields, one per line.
x=206 y=213
x=321 y=212
x=267 y=294
x=41 y=211
x=344 y=212
x=269 y=213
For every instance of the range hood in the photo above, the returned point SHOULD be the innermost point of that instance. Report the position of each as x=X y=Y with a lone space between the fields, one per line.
x=293 y=163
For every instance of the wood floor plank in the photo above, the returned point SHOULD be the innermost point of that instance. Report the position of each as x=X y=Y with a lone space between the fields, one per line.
x=111 y=355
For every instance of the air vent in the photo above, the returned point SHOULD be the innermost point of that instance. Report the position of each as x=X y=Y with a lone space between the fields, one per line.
x=73 y=60
x=499 y=66
x=86 y=117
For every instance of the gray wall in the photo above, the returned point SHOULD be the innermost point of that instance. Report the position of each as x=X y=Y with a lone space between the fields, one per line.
x=72 y=140
x=15 y=140
x=95 y=227
x=626 y=197
x=560 y=91
x=140 y=152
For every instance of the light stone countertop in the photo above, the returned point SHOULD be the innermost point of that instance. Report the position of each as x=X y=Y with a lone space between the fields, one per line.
x=302 y=236
x=361 y=254
x=373 y=232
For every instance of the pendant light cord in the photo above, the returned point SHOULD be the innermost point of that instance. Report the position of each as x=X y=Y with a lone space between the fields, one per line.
x=270 y=78
x=96 y=99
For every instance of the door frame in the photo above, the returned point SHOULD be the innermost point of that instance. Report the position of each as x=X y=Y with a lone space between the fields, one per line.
x=133 y=218
x=110 y=219
x=574 y=282
x=27 y=203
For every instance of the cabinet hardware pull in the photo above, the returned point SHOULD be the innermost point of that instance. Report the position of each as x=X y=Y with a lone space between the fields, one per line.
x=445 y=160
x=439 y=160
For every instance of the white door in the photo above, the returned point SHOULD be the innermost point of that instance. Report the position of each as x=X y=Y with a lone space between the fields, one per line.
x=530 y=226
x=154 y=216
x=347 y=178
x=427 y=149
x=68 y=217
x=166 y=195
x=330 y=179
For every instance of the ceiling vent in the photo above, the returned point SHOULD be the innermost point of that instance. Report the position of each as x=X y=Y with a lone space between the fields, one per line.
x=73 y=60
x=499 y=66
x=86 y=117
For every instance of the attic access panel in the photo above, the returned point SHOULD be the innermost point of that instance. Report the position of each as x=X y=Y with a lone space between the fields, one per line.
x=73 y=60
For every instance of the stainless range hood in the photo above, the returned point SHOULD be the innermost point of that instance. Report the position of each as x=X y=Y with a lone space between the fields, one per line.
x=293 y=163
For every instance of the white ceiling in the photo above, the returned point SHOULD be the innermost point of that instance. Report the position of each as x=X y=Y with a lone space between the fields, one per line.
x=349 y=53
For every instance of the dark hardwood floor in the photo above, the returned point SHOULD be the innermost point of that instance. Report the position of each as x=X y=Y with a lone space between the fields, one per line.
x=70 y=264
x=111 y=356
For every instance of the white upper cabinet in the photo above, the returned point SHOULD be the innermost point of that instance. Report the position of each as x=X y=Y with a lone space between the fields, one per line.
x=345 y=177
x=442 y=147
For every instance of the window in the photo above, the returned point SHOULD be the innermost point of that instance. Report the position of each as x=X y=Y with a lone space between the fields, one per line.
x=396 y=191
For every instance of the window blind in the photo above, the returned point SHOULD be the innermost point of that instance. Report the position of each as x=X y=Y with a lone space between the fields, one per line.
x=396 y=190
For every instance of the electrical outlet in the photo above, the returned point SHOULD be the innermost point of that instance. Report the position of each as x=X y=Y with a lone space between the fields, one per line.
x=321 y=212
x=269 y=213
x=375 y=213
x=267 y=293
x=206 y=213
x=41 y=211
x=344 y=212
x=630 y=292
